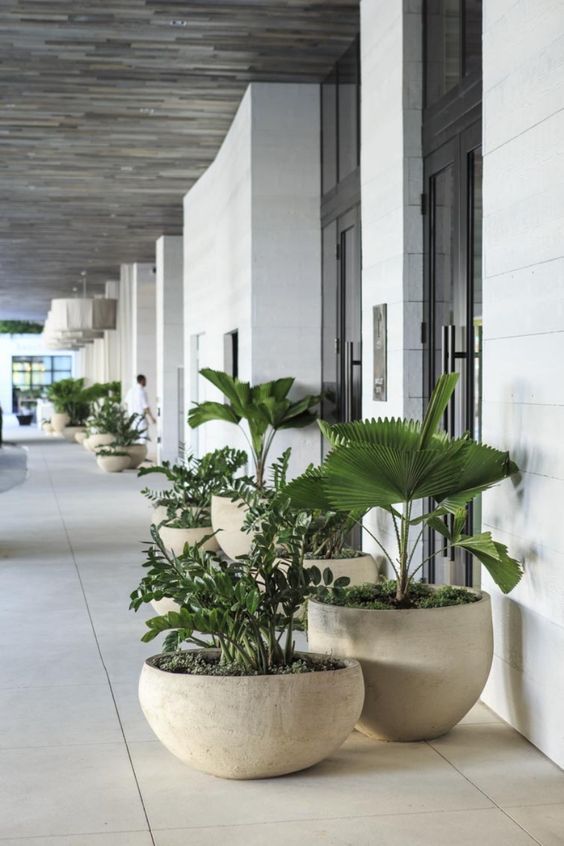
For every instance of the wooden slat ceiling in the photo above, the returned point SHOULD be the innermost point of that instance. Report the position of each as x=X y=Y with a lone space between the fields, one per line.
x=109 y=111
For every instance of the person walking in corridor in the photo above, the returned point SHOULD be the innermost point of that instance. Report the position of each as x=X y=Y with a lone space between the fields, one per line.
x=137 y=402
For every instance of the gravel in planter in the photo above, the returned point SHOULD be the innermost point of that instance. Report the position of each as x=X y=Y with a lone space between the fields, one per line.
x=382 y=596
x=188 y=663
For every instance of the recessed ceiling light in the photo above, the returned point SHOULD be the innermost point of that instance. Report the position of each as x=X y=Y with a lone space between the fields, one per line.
x=178 y=22
x=147 y=111
x=127 y=168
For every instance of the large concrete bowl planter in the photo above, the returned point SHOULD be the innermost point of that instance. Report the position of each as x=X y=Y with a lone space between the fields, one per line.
x=424 y=668
x=97 y=440
x=245 y=727
x=80 y=436
x=58 y=421
x=70 y=432
x=113 y=463
x=359 y=570
x=176 y=539
x=137 y=454
x=227 y=520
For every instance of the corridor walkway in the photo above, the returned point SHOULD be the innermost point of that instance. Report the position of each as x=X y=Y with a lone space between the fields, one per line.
x=79 y=766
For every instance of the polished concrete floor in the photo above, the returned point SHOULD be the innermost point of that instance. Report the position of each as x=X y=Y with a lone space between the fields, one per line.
x=80 y=767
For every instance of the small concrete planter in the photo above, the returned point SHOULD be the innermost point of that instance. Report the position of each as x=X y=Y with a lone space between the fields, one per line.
x=97 y=440
x=164 y=605
x=424 y=668
x=70 y=432
x=229 y=517
x=359 y=570
x=80 y=436
x=113 y=463
x=137 y=454
x=176 y=539
x=58 y=421
x=246 y=727
x=47 y=427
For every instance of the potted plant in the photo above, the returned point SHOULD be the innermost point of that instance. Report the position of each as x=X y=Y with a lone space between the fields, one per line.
x=112 y=459
x=193 y=481
x=244 y=704
x=264 y=409
x=425 y=652
x=103 y=423
x=131 y=437
x=72 y=401
x=328 y=545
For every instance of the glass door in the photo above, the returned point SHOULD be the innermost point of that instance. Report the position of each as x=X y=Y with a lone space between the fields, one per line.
x=342 y=319
x=453 y=326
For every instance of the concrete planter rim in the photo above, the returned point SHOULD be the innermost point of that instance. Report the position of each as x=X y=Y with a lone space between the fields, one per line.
x=484 y=597
x=350 y=663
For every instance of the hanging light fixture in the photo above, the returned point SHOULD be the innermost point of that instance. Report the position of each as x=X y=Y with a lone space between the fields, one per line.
x=80 y=320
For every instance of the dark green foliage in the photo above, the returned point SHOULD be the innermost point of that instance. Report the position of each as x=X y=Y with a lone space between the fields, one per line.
x=109 y=417
x=193 y=483
x=246 y=608
x=71 y=396
x=265 y=408
x=20 y=327
x=382 y=596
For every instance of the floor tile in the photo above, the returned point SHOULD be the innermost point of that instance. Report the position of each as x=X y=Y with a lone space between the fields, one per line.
x=123 y=838
x=68 y=790
x=135 y=726
x=480 y=714
x=544 y=822
x=463 y=828
x=49 y=664
x=498 y=760
x=55 y=716
x=364 y=777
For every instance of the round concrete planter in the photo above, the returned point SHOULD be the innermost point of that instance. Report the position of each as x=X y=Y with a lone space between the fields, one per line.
x=113 y=463
x=424 y=668
x=58 y=421
x=176 y=539
x=80 y=436
x=252 y=726
x=137 y=454
x=228 y=517
x=159 y=514
x=97 y=440
x=47 y=427
x=359 y=570
x=70 y=432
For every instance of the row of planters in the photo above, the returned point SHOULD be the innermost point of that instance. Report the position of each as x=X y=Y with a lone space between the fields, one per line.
x=238 y=564
x=93 y=416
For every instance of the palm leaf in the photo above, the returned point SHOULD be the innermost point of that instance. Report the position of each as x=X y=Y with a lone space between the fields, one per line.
x=392 y=432
x=238 y=393
x=438 y=402
x=204 y=412
x=504 y=570
x=366 y=476
x=307 y=491
x=484 y=466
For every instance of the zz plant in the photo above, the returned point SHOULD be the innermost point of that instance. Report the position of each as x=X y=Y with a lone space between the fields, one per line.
x=193 y=483
x=265 y=408
x=248 y=609
x=399 y=466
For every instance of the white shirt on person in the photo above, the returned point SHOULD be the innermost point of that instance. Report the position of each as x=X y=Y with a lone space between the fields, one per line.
x=136 y=400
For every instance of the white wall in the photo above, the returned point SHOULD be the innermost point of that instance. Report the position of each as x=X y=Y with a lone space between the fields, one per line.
x=252 y=255
x=523 y=354
x=169 y=342
x=391 y=186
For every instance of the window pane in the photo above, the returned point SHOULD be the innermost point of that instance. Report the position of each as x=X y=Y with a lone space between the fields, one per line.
x=443 y=61
x=62 y=362
x=348 y=112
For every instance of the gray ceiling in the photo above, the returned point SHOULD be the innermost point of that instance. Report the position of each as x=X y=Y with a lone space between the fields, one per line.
x=110 y=110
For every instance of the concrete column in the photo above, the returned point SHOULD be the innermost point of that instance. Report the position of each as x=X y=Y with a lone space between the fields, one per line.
x=112 y=364
x=169 y=344
x=252 y=257
x=144 y=349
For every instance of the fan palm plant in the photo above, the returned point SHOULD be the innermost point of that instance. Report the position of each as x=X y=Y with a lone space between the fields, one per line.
x=393 y=464
x=265 y=408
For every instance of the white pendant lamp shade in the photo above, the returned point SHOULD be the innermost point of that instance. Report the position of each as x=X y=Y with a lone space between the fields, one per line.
x=74 y=322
